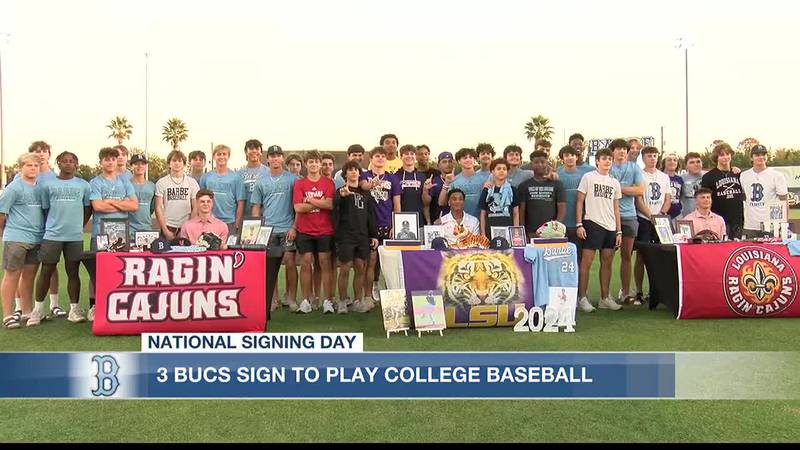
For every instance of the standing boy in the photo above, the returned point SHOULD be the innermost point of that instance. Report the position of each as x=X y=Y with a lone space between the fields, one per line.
x=467 y=181
x=763 y=186
x=499 y=203
x=541 y=199
x=570 y=174
x=145 y=190
x=411 y=181
x=728 y=198
x=253 y=171
x=175 y=196
x=197 y=164
x=228 y=188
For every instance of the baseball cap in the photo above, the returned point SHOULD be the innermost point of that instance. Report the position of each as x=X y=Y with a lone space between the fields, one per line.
x=758 y=148
x=274 y=150
x=439 y=243
x=137 y=159
x=499 y=243
x=445 y=155
x=160 y=245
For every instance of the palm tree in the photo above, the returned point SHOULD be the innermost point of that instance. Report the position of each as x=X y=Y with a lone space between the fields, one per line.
x=538 y=128
x=120 y=129
x=174 y=132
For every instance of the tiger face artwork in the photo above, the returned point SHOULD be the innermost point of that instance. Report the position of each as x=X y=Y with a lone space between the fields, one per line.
x=477 y=278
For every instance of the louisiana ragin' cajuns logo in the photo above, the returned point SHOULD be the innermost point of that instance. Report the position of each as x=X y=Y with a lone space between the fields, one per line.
x=758 y=282
x=470 y=279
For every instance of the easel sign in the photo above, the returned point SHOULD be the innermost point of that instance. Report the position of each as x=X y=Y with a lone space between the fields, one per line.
x=395 y=313
x=428 y=309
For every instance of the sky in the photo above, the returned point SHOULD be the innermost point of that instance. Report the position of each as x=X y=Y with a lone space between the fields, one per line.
x=327 y=74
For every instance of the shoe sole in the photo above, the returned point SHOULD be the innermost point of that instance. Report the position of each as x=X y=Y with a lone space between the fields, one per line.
x=608 y=308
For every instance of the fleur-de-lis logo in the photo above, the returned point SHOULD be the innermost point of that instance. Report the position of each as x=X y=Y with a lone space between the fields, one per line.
x=759 y=283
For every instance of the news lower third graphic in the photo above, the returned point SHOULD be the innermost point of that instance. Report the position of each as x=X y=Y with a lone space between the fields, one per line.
x=321 y=365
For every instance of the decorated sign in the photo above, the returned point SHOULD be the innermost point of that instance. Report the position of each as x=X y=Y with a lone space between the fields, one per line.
x=481 y=288
x=738 y=280
x=217 y=291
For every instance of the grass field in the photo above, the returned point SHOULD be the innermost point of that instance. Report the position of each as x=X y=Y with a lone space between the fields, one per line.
x=632 y=329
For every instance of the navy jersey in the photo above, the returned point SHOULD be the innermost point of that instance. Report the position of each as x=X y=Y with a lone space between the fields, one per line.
x=555 y=272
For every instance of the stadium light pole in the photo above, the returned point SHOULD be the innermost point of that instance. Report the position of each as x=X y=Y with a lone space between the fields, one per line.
x=3 y=40
x=684 y=44
x=146 y=154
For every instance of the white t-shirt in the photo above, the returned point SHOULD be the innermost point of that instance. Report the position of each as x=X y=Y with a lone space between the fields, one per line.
x=177 y=194
x=761 y=189
x=656 y=186
x=601 y=191
x=469 y=222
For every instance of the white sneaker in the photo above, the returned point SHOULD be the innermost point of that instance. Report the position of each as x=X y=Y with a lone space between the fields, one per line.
x=90 y=314
x=293 y=307
x=607 y=303
x=286 y=302
x=76 y=314
x=585 y=306
x=348 y=301
x=327 y=307
x=376 y=291
x=363 y=306
x=305 y=307
x=35 y=318
x=341 y=307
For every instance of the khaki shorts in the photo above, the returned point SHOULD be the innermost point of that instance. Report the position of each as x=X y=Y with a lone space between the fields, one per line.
x=18 y=254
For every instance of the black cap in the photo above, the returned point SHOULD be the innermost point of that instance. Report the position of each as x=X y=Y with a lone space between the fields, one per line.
x=274 y=150
x=758 y=148
x=499 y=243
x=439 y=243
x=137 y=158
x=160 y=245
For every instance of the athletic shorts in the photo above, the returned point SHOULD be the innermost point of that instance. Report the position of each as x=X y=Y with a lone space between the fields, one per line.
x=50 y=251
x=313 y=244
x=348 y=251
x=647 y=231
x=597 y=237
x=18 y=254
x=630 y=227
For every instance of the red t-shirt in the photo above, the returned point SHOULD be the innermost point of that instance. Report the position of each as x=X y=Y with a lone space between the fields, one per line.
x=319 y=221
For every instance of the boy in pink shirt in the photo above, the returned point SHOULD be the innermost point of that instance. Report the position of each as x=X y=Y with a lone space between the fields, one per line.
x=205 y=221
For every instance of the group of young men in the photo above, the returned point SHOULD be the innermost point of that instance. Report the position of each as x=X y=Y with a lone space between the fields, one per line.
x=329 y=220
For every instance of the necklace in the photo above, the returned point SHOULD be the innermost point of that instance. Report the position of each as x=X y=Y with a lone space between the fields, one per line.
x=177 y=183
x=415 y=179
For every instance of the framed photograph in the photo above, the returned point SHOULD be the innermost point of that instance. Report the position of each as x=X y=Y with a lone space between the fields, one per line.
x=662 y=221
x=232 y=240
x=102 y=242
x=432 y=232
x=517 y=236
x=685 y=227
x=664 y=234
x=143 y=239
x=777 y=212
x=118 y=234
x=428 y=309
x=263 y=235
x=395 y=313
x=500 y=231
x=248 y=234
x=406 y=226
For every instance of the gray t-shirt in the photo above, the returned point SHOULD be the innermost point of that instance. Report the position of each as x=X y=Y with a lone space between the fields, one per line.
x=541 y=199
x=518 y=175
x=690 y=184
x=177 y=194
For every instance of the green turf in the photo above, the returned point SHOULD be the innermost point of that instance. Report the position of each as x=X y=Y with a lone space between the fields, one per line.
x=632 y=329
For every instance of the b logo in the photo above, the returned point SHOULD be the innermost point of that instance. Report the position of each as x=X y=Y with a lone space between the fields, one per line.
x=107 y=381
x=758 y=193
x=655 y=191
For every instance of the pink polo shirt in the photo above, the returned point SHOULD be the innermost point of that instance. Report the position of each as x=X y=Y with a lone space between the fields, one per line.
x=713 y=222
x=193 y=228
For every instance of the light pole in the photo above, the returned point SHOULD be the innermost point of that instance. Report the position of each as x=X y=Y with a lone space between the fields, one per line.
x=3 y=40
x=684 y=45
x=146 y=154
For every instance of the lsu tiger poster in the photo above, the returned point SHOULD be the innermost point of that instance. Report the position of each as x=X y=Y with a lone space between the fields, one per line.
x=481 y=288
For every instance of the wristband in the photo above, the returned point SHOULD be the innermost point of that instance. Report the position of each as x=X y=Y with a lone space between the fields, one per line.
x=619 y=233
x=578 y=225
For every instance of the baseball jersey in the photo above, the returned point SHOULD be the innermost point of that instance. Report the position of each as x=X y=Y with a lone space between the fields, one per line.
x=761 y=189
x=554 y=267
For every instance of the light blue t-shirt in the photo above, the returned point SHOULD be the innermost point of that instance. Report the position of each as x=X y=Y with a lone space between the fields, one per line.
x=127 y=176
x=114 y=189
x=552 y=266
x=274 y=194
x=250 y=177
x=472 y=187
x=66 y=200
x=628 y=174
x=571 y=180
x=228 y=190
x=22 y=205
x=142 y=218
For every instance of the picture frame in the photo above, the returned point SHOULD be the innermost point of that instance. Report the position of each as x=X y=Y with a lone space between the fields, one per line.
x=248 y=234
x=143 y=239
x=232 y=240
x=777 y=211
x=264 y=234
x=499 y=231
x=101 y=242
x=431 y=232
x=118 y=232
x=406 y=226
x=664 y=234
x=428 y=307
x=685 y=227
x=516 y=236
x=662 y=221
x=394 y=310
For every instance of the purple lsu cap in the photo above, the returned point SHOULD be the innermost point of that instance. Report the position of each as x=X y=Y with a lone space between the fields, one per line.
x=445 y=155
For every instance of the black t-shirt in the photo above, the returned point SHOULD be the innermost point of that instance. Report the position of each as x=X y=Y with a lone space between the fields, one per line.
x=541 y=200
x=497 y=216
x=353 y=216
x=727 y=198
x=411 y=184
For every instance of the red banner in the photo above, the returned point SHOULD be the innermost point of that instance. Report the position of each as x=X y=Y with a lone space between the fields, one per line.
x=215 y=291
x=737 y=279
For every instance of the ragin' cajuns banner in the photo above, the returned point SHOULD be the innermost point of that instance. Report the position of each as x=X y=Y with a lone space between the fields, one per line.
x=733 y=280
x=216 y=291
x=481 y=287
